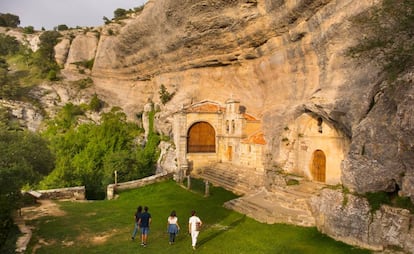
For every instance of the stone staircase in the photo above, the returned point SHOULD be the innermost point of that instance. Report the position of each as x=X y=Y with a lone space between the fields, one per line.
x=239 y=180
x=282 y=205
x=288 y=204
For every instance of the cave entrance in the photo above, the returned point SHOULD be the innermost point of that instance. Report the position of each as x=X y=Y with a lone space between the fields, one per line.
x=201 y=138
x=318 y=166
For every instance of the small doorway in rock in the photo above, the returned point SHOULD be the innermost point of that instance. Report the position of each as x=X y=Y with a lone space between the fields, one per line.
x=318 y=166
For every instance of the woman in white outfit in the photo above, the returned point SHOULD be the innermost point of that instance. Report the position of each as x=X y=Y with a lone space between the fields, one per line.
x=194 y=224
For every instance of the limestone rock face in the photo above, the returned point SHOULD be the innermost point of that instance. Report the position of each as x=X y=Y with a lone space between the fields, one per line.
x=61 y=51
x=82 y=48
x=347 y=218
x=280 y=59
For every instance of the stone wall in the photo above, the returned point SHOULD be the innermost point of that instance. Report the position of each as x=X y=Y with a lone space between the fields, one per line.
x=348 y=218
x=77 y=193
x=113 y=188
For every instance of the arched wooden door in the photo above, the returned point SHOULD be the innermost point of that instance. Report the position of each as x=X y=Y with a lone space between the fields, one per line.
x=318 y=166
x=201 y=138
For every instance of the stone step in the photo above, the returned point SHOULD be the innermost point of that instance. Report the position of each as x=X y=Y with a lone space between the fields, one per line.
x=228 y=183
x=274 y=207
x=228 y=179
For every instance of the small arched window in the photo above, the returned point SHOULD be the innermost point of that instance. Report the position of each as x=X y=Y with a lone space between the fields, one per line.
x=320 y=121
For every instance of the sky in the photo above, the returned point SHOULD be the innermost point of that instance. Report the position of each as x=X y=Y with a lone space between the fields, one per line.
x=51 y=13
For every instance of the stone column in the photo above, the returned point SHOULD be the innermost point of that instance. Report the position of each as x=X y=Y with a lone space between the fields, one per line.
x=206 y=189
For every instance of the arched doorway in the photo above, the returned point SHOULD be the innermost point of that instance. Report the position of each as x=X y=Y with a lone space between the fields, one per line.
x=201 y=138
x=318 y=166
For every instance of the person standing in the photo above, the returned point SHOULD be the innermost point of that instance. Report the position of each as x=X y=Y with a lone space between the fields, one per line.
x=194 y=225
x=137 y=215
x=172 y=226
x=145 y=222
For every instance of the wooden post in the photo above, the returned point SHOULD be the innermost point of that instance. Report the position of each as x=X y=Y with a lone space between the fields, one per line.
x=188 y=182
x=206 y=189
x=116 y=177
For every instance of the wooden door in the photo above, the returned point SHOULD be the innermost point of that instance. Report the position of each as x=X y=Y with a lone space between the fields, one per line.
x=201 y=138
x=318 y=167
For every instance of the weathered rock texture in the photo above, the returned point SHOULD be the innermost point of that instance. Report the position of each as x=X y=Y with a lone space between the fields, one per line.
x=348 y=218
x=280 y=58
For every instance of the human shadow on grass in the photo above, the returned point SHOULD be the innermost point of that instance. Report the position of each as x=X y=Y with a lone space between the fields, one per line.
x=221 y=231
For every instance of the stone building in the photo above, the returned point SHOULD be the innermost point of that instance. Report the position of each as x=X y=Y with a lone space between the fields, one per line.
x=313 y=148
x=207 y=133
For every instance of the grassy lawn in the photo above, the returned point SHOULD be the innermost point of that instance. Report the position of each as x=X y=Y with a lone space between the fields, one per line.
x=106 y=226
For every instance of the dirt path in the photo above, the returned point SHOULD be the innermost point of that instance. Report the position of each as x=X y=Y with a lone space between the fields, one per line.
x=43 y=208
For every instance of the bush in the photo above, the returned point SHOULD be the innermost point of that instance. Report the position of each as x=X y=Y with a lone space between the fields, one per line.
x=52 y=75
x=28 y=30
x=165 y=96
x=95 y=104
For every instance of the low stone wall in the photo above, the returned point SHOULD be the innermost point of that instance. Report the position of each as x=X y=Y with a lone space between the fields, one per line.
x=77 y=193
x=112 y=188
x=347 y=218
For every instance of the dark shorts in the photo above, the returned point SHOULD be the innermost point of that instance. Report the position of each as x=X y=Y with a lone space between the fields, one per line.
x=144 y=230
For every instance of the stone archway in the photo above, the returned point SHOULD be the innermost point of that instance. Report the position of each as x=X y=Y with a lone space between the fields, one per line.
x=318 y=166
x=201 y=138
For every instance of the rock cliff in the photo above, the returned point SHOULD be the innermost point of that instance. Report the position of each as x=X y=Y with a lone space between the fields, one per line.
x=280 y=58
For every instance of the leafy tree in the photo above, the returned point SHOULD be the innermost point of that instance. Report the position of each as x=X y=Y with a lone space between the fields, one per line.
x=44 y=57
x=120 y=13
x=88 y=154
x=9 y=87
x=8 y=45
x=9 y=20
x=48 y=41
x=388 y=36
x=24 y=159
x=62 y=27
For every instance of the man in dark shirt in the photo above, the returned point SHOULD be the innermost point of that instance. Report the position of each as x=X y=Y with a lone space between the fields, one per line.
x=144 y=222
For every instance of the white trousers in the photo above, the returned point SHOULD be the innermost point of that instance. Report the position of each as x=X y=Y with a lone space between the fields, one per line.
x=194 y=235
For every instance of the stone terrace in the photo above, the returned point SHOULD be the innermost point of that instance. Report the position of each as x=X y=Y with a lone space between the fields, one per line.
x=288 y=204
x=239 y=180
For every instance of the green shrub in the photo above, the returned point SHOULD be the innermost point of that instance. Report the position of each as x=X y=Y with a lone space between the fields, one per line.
x=28 y=30
x=95 y=104
x=52 y=75
x=376 y=199
x=165 y=96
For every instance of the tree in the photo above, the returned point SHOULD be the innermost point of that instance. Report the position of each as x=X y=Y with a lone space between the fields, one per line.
x=48 y=41
x=9 y=20
x=62 y=27
x=88 y=154
x=24 y=159
x=44 y=58
x=120 y=13
x=8 y=45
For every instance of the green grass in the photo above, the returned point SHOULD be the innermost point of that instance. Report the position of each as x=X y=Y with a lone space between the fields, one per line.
x=224 y=231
